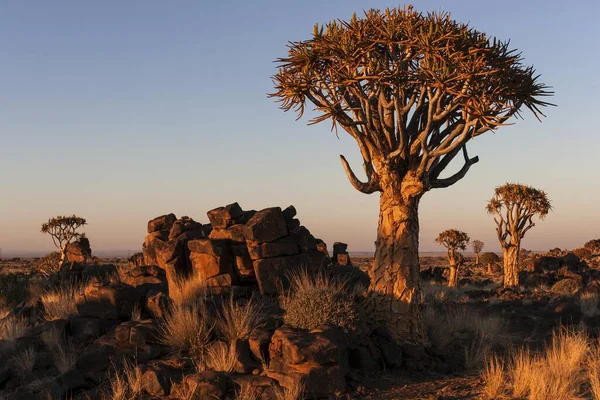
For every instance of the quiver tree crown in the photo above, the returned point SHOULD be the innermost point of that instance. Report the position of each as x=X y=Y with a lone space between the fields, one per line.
x=412 y=89
x=453 y=239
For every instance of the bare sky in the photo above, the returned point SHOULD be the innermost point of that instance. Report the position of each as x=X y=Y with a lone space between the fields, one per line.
x=123 y=111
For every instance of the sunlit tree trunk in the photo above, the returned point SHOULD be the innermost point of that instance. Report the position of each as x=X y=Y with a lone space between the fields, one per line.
x=476 y=258
x=453 y=277
x=489 y=269
x=510 y=256
x=395 y=291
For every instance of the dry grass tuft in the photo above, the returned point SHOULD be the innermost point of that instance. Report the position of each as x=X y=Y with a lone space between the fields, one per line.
x=59 y=303
x=187 y=291
x=126 y=385
x=248 y=392
x=588 y=303
x=12 y=328
x=188 y=328
x=493 y=375
x=438 y=294
x=564 y=370
x=237 y=321
x=65 y=357
x=295 y=391
x=24 y=362
x=136 y=312
x=221 y=357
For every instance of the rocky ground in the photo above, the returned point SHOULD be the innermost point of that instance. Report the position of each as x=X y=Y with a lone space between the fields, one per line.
x=240 y=326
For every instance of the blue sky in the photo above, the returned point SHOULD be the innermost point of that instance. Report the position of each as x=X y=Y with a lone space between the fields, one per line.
x=123 y=111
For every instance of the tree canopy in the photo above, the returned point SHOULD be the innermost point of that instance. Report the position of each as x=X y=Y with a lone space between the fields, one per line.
x=63 y=229
x=453 y=239
x=513 y=207
x=477 y=245
x=411 y=88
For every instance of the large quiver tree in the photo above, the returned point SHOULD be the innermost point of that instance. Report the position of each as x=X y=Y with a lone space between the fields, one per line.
x=412 y=90
x=453 y=240
x=513 y=207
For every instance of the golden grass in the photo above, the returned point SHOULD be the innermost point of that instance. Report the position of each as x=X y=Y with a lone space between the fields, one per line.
x=59 y=303
x=588 y=303
x=567 y=369
x=12 y=328
x=65 y=357
x=25 y=361
x=248 y=392
x=136 y=313
x=295 y=391
x=187 y=291
x=187 y=328
x=493 y=375
x=221 y=357
x=237 y=321
x=127 y=384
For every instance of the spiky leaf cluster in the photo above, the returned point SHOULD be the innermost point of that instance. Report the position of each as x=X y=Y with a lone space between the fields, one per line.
x=453 y=239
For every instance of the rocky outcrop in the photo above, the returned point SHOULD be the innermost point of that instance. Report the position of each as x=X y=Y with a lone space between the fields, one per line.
x=79 y=251
x=340 y=254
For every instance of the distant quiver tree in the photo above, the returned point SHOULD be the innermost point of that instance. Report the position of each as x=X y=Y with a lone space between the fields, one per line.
x=412 y=90
x=453 y=240
x=477 y=246
x=513 y=207
x=63 y=230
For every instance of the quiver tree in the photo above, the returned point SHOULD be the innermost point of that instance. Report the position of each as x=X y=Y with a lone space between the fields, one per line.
x=593 y=246
x=63 y=230
x=513 y=207
x=412 y=90
x=477 y=246
x=490 y=259
x=453 y=240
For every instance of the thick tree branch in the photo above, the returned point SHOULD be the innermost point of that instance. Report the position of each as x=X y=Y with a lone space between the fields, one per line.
x=442 y=183
x=369 y=187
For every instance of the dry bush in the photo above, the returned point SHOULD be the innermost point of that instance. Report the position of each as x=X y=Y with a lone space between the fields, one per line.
x=51 y=338
x=237 y=321
x=493 y=375
x=564 y=370
x=594 y=372
x=249 y=392
x=12 y=328
x=188 y=328
x=438 y=294
x=59 y=302
x=187 y=291
x=317 y=300
x=25 y=361
x=136 y=312
x=588 y=303
x=294 y=391
x=476 y=334
x=221 y=357
x=127 y=384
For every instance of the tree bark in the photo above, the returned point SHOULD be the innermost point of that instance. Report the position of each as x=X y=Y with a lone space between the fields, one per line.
x=395 y=297
x=489 y=270
x=453 y=277
x=476 y=258
x=510 y=256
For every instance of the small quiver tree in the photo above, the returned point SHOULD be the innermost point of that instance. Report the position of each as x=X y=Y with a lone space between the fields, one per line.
x=477 y=247
x=63 y=230
x=453 y=240
x=593 y=246
x=490 y=259
x=412 y=90
x=514 y=206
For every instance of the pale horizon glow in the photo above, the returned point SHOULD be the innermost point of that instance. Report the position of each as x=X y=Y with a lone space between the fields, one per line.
x=121 y=112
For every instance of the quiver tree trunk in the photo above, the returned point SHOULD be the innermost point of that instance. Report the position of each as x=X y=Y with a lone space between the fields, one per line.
x=510 y=256
x=489 y=269
x=395 y=298
x=476 y=258
x=454 y=265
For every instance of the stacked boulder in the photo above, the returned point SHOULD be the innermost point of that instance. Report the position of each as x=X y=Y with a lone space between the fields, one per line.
x=340 y=254
x=166 y=244
x=79 y=251
x=250 y=248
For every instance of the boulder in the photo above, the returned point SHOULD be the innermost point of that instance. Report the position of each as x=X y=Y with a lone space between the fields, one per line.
x=340 y=254
x=205 y=385
x=106 y=300
x=286 y=246
x=136 y=260
x=207 y=266
x=272 y=274
x=146 y=278
x=322 y=247
x=137 y=333
x=157 y=304
x=234 y=233
x=567 y=286
x=266 y=225
x=79 y=251
x=162 y=223
x=305 y=241
x=259 y=341
x=223 y=217
x=159 y=376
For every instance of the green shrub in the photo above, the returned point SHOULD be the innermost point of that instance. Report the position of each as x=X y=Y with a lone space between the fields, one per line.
x=316 y=301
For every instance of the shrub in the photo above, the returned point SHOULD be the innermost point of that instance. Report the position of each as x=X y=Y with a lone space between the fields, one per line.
x=493 y=376
x=293 y=391
x=315 y=301
x=187 y=328
x=237 y=321
x=13 y=288
x=59 y=303
x=588 y=303
x=12 y=328
x=593 y=246
x=221 y=357
x=582 y=253
x=49 y=264
x=188 y=290
x=25 y=361
x=127 y=384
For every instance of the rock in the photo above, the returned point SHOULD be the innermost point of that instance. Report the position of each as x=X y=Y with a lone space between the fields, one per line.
x=286 y=246
x=87 y=329
x=97 y=271
x=266 y=225
x=234 y=233
x=340 y=254
x=289 y=213
x=136 y=260
x=261 y=386
x=79 y=251
x=146 y=278
x=157 y=303
x=318 y=381
x=158 y=376
x=566 y=286
x=164 y=222
x=223 y=217
x=570 y=260
x=305 y=241
x=243 y=263
x=272 y=274
x=322 y=247
x=185 y=224
x=544 y=264
x=206 y=385
x=214 y=247
x=365 y=357
x=259 y=341
x=207 y=266
x=223 y=280
x=297 y=346
x=137 y=333
x=106 y=300
x=391 y=351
